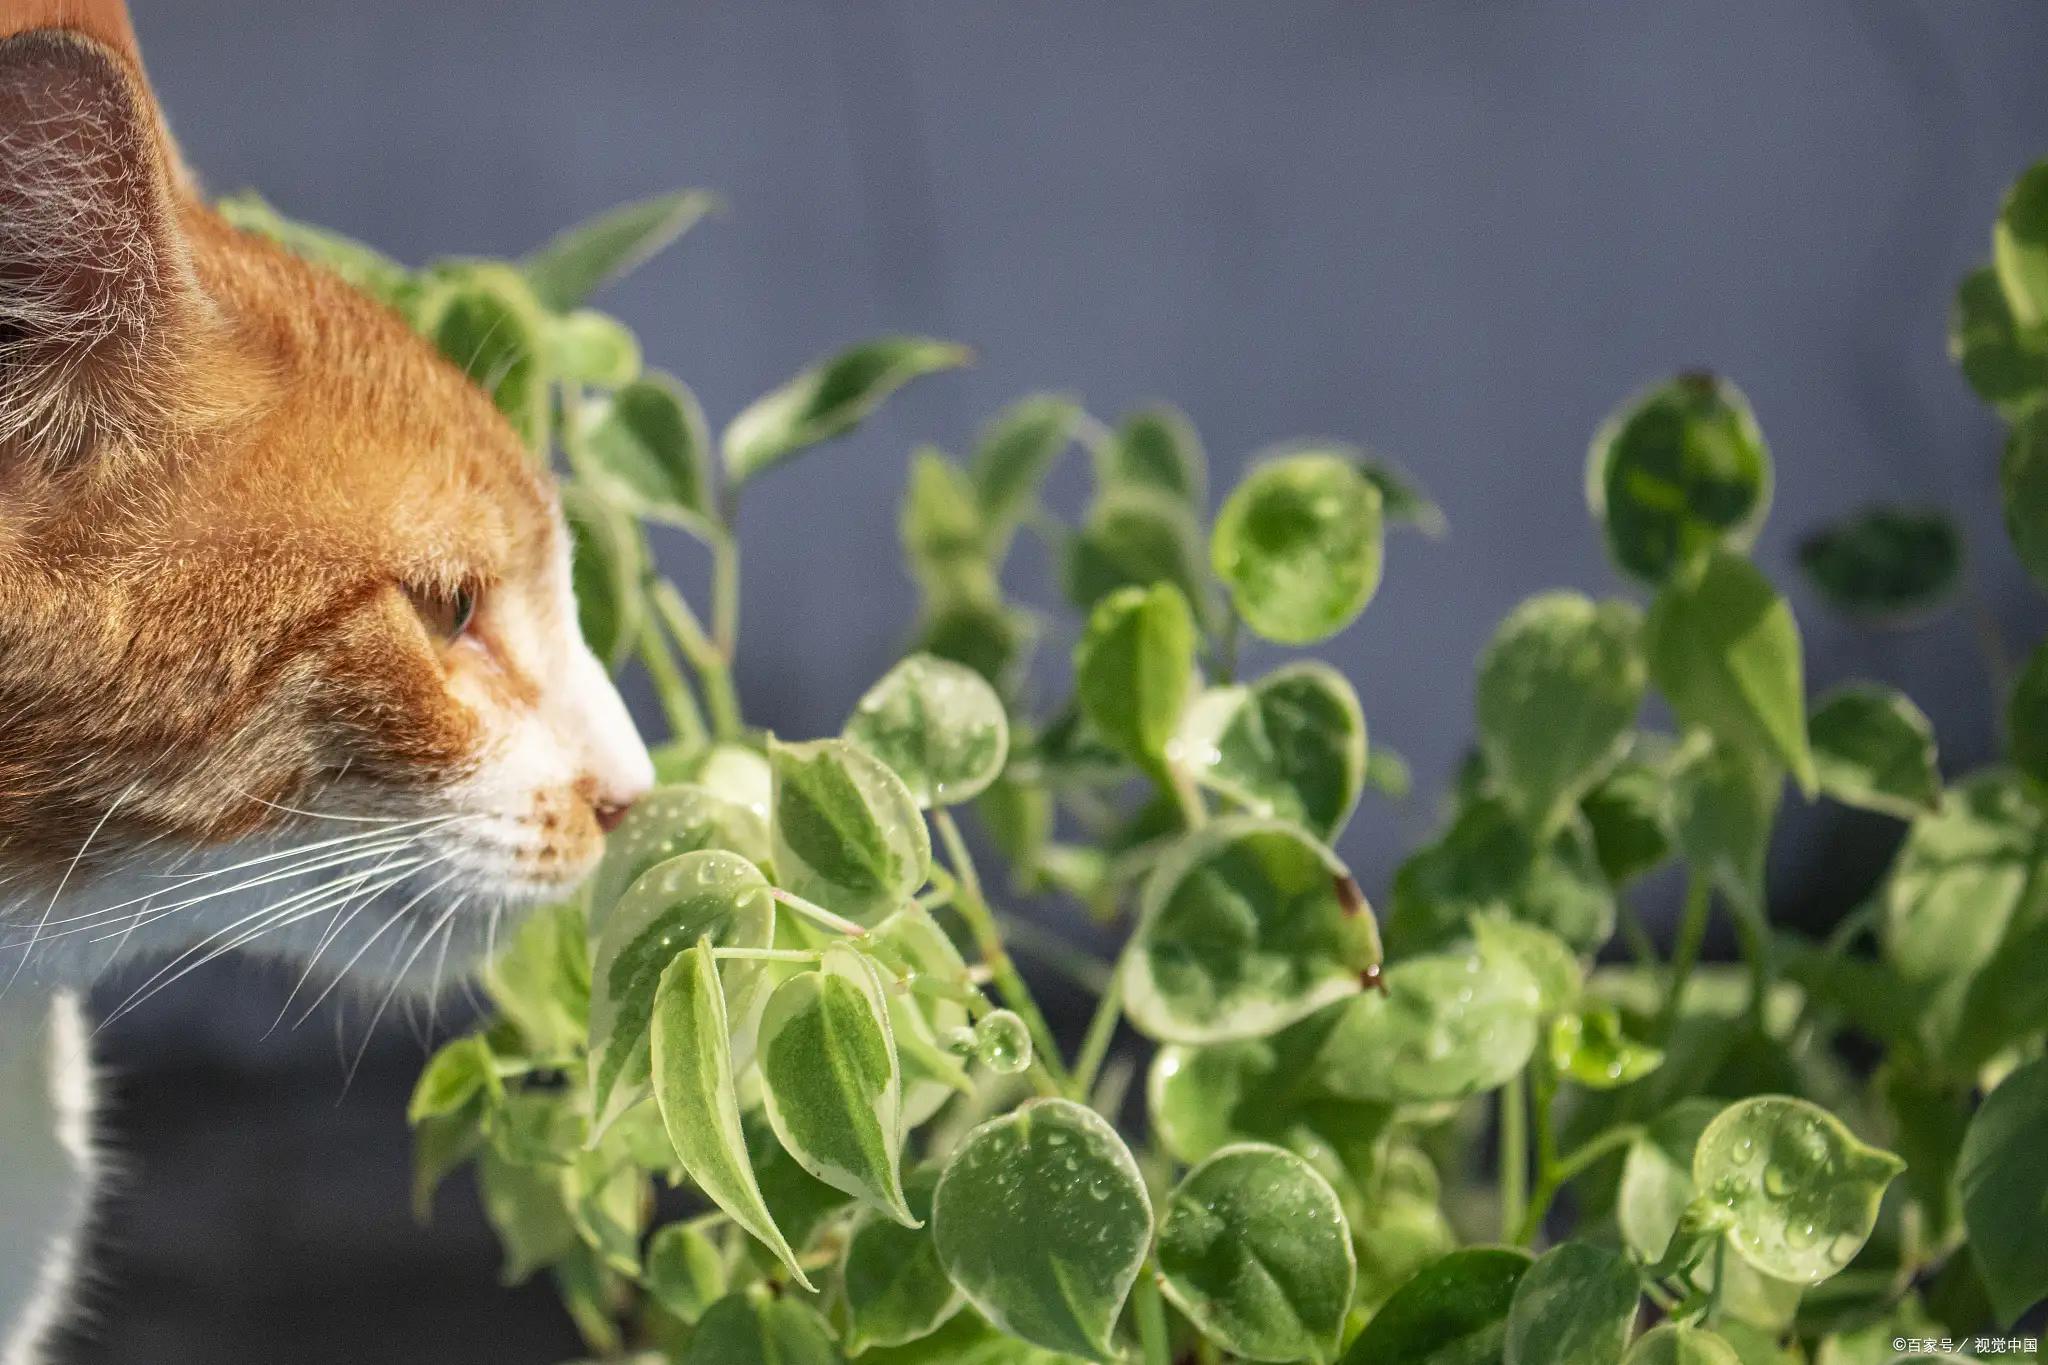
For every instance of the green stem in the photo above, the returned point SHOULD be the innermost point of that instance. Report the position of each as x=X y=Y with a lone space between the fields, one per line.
x=1692 y=932
x=811 y=910
x=973 y=908
x=1640 y=945
x=1151 y=1314
x=764 y=954
x=1084 y=969
x=1101 y=1032
x=678 y=704
x=1514 y=1156
x=714 y=668
x=725 y=595
x=1756 y=951
x=1226 y=648
x=1571 y=1168
x=1181 y=783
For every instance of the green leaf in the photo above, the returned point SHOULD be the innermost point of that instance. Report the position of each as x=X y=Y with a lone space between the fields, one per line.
x=685 y=1271
x=1551 y=963
x=666 y=823
x=1298 y=543
x=647 y=449
x=1724 y=650
x=1387 y=772
x=707 y=894
x=1445 y=1026
x=1723 y=803
x=737 y=774
x=609 y=560
x=2023 y=483
x=1015 y=452
x=829 y=399
x=847 y=833
x=1254 y=1248
x=1575 y=1306
x=1486 y=863
x=523 y=1205
x=1591 y=1048
x=693 y=1084
x=607 y=1199
x=1042 y=1220
x=830 y=1080
x=489 y=326
x=1629 y=814
x=1134 y=667
x=945 y=540
x=1403 y=501
x=439 y=1145
x=455 y=1075
x=975 y=628
x=1246 y=925
x=895 y=1289
x=938 y=725
x=1873 y=748
x=1454 y=1312
x=1886 y=565
x=2003 y=1178
x=364 y=267
x=1801 y=1190
x=1656 y=1177
x=966 y=1339
x=1157 y=448
x=1558 y=688
x=1675 y=473
x=1292 y=745
x=910 y=941
x=2026 y=717
x=541 y=982
x=759 y=1329
x=2019 y=246
x=2006 y=364
x=1673 y=1343
x=1133 y=537
x=589 y=347
x=578 y=262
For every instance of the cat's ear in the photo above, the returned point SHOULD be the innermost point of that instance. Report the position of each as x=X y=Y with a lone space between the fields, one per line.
x=95 y=287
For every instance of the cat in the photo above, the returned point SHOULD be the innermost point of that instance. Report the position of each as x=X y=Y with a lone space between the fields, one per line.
x=289 y=661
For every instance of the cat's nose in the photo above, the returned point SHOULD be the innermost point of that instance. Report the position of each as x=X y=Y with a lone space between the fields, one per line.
x=610 y=813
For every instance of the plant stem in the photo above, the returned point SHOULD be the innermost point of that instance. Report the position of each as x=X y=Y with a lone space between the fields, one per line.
x=713 y=667
x=1568 y=1170
x=1756 y=950
x=1692 y=931
x=678 y=704
x=838 y=924
x=1514 y=1156
x=1101 y=1032
x=764 y=954
x=1182 y=784
x=1084 y=969
x=1151 y=1314
x=725 y=595
x=981 y=922
x=1226 y=648
x=1640 y=945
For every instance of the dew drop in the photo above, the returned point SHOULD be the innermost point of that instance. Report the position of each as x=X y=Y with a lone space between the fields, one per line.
x=1003 y=1043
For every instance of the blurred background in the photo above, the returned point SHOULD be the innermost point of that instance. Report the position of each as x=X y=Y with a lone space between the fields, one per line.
x=1457 y=232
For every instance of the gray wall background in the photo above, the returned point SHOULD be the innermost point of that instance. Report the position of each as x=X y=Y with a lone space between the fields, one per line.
x=1457 y=231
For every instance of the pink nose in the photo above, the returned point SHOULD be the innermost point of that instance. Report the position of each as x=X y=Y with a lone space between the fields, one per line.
x=610 y=813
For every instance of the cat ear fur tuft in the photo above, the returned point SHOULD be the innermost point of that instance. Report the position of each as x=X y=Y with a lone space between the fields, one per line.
x=94 y=283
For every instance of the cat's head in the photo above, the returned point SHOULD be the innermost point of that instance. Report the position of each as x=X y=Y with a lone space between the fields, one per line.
x=284 y=603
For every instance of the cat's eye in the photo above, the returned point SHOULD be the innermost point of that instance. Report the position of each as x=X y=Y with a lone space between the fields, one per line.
x=446 y=612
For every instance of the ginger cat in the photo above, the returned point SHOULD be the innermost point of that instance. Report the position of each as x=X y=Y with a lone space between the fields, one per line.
x=288 y=656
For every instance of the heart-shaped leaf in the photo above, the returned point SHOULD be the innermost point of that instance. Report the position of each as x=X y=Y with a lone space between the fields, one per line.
x=1246 y=925
x=1133 y=669
x=937 y=725
x=1724 y=650
x=1292 y=745
x=707 y=894
x=1445 y=1026
x=609 y=559
x=945 y=539
x=1575 y=1306
x=1558 y=688
x=1629 y=814
x=1158 y=448
x=1298 y=543
x=1673 y=1343
x=2002 y=1174
x=760 y=1329
x=1015 y=452
x=1042 y=1220
x=541 y=982
x=1133 y=537
x=1453 y=1312
x=1885 y=565
x=1677 y=471
x=830 y=1081
x=1656 y=1177
x=2005 y=364
x=1551 y=963
x=693 y=1084
x=1873 y=748
x=488 y=324
x=666 y=823
x=827 y=400
x=647 y=447
x=847 y=833
x=587 y=347
x=686 y=1272
x=578 y=262
x=1802 y=1191
x=1254 y=1248
x=894 y=1287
